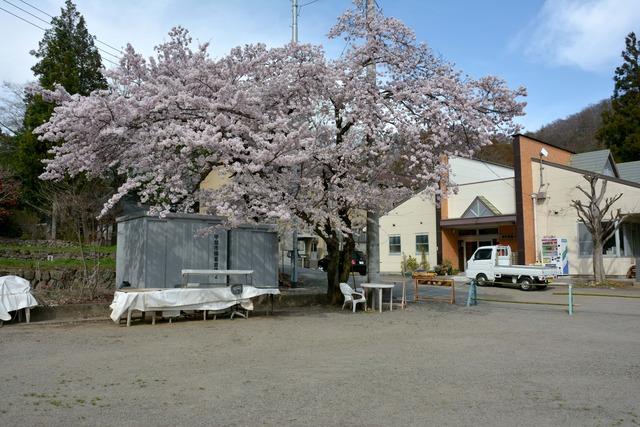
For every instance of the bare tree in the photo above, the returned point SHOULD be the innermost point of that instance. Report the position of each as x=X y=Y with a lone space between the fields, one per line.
x=9 y=192
x=12 y=107
x=594 y=216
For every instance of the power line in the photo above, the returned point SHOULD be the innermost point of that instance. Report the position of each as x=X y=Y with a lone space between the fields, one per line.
x=51 y=16
x=26 y=11
x=39 y=10
x=308 y=3
x=19 y=17
x=45 y=29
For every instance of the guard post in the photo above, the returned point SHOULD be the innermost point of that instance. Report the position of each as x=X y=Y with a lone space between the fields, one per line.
x=570 y=293
x=472 y=295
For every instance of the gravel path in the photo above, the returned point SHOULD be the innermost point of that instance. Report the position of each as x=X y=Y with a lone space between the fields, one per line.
x=433 y=364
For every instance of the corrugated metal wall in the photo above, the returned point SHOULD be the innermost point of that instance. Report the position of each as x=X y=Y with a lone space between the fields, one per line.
x=152 y=251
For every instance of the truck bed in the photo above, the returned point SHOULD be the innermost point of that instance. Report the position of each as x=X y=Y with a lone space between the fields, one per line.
x=523 y=270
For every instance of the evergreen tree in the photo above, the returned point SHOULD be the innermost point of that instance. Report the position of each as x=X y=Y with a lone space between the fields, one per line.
x=620 y=129
x=66 y=56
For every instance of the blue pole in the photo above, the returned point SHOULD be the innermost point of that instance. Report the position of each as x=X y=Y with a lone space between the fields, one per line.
x=472 y=296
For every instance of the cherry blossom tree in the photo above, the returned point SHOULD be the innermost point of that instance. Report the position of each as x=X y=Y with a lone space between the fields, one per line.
x=305 y=140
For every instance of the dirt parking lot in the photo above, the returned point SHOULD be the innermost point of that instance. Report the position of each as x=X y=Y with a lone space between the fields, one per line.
x=433 y=364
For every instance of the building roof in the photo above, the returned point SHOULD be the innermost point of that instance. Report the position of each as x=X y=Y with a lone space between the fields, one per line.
x=544 y=142
x=629 y=171
x=599 y=161
x=485 y=220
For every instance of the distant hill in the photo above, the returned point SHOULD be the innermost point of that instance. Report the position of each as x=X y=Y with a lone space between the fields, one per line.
x=500 y=152
x=576 y=132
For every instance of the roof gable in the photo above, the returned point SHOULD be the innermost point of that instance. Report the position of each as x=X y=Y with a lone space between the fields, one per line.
x=600 y=162
x=480 y=207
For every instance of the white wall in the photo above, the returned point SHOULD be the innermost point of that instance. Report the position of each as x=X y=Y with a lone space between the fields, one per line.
x=415 y=216
x=465 y=171
x=500 y=192
x=555 y=216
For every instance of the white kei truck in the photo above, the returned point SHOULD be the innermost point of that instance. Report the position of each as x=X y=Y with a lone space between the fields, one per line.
x=493 y=264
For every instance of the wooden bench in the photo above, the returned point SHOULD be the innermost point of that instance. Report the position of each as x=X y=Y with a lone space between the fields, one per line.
x=430 y=279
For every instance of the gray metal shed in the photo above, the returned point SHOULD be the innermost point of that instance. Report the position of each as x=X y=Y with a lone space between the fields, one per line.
x=152 y=251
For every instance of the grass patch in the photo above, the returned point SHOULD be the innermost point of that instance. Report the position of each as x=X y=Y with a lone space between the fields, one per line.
x=105 y=263
x=25 y=248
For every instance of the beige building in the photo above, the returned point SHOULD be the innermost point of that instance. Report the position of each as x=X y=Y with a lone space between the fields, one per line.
x=554 y=217
x=520 y=207
x=415 y=224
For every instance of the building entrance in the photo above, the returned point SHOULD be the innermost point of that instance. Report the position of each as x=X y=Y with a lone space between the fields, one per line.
x=470 y=240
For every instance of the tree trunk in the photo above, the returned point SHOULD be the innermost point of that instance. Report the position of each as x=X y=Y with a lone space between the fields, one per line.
x=373 y=246
x=348 y=246
x=54 y=220
x=598 y=264
x=333 y=270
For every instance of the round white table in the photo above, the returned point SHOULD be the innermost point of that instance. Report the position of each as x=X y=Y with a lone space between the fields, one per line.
x=380 y=287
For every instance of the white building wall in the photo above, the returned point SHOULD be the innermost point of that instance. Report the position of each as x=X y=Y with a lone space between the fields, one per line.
x=500 y=192
x=465 y=171
x=415 y=216
x=555 y=216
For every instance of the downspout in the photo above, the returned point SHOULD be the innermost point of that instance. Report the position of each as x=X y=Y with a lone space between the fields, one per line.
x=534 y=197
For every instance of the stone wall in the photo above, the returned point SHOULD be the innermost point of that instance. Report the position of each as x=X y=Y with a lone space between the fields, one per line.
x=60 y=278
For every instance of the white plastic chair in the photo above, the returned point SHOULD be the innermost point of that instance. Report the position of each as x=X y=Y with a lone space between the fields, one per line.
x=350 y=296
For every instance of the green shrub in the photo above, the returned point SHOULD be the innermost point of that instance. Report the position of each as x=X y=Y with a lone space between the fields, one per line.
x=424 y=264
x=445 y=269
x=409 y=264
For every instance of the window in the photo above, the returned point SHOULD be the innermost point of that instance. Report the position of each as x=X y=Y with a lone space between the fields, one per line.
x=485 y=231
x=483 y=254
x=612 y=247
x=608 y=168
x=394 y=245
x=480 y=207
x=630 y=239
x=422 y=243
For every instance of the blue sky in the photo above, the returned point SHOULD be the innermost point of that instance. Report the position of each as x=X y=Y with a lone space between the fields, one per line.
x=563 y=51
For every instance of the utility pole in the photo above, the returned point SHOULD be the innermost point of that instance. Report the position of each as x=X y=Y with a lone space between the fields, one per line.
x=294 y=252
x=294 y=21
x=373 y=215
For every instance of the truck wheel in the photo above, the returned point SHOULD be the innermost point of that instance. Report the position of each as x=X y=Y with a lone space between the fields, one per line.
x=525 y=284
x=481 y=279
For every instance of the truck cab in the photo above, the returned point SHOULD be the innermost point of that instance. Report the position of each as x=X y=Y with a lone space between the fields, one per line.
x=492 y=264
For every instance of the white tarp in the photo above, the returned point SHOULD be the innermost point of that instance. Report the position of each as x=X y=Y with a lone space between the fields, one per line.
x=218 y=298
x=15 y=293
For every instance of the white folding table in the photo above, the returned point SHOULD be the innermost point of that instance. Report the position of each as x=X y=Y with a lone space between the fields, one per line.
x=380 y=287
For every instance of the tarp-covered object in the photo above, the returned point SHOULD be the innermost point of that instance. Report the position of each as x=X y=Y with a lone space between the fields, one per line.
x=218 y=298
x=15 y=293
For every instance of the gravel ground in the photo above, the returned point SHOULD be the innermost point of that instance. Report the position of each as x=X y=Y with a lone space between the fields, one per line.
x=433 y=364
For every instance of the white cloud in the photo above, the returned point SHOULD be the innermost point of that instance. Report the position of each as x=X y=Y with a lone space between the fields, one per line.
x=588 y=34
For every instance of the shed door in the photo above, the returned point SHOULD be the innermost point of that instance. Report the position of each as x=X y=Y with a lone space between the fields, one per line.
x=156 y=244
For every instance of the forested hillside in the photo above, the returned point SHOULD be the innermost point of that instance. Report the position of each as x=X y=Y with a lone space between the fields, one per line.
x=576 y=132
